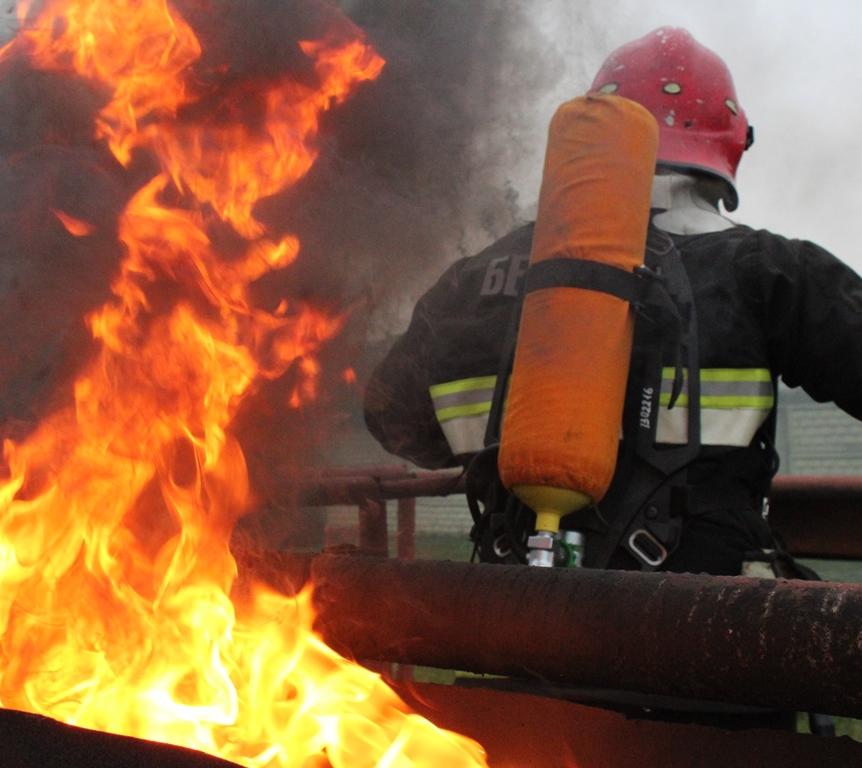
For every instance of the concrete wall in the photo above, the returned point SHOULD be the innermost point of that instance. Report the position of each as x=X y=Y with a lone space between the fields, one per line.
x=816 y=438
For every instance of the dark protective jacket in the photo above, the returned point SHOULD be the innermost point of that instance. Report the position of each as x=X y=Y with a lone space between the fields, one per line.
x=767 y=307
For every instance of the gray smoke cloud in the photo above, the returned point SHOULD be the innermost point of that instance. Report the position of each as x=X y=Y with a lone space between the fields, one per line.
x=422 y=161
x=8 y=22
x=48 y=279
x=414 y=170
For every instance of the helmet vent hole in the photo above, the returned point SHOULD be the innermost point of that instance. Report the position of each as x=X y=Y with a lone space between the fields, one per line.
x=688 y=124
x=609 y=88
x=672 y=88
x=731 y=105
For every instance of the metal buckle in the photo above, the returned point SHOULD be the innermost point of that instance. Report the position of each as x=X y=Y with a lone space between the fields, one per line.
x=643 y=537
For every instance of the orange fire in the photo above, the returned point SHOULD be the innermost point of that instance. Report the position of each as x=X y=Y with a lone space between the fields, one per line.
x=116 y=514
x=75 y=227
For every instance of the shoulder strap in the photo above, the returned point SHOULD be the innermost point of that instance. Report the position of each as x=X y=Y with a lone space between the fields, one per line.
x=666 y=329
x=504 y=371
x=560 y=271
x=643 y=288
x=642 y=507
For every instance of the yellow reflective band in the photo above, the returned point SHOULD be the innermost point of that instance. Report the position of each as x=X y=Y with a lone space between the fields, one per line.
x=462 y=385
x=724 y=402
x=458 y=411
x=724 y=374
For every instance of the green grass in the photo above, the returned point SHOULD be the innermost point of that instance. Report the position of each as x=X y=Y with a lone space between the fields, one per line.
x=443 y=546
x=846 y=571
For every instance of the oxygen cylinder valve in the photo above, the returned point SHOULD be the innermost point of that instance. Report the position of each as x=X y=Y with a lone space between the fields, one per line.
x=547 y=549
x=542 y=547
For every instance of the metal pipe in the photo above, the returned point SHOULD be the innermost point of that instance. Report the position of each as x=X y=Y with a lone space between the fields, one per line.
x=818 y=516
x=365 y=470
x=373 y=530
x=790 y=645
x=351 y=489
x=406 y=529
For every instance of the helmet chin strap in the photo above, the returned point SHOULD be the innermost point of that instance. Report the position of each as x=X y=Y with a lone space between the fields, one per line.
x=688 y=204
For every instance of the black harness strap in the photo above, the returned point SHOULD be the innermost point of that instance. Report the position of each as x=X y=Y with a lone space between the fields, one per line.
x=560 y=271
x=643 y=288
x=563 y=272
x=650 y=293
x=556 y=272
x=649 y=496
x=660 y=295
x=504 y=370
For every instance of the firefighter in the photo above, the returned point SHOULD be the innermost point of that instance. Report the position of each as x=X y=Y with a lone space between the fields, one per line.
x=754 y=308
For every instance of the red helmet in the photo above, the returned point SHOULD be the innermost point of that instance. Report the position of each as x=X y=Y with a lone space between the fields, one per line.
x=690 y=92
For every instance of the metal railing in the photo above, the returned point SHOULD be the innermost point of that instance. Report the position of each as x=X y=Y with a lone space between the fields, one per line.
x=816 y=516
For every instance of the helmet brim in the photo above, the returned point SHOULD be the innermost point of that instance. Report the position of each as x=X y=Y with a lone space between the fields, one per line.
x=729 y=196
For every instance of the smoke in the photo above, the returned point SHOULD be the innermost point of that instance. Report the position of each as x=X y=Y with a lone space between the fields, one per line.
x=8 y=21
x=48 y=279
x=418 y=167
x=414 y=170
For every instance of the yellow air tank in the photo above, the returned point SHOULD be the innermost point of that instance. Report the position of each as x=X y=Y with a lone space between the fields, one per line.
x=561 y=425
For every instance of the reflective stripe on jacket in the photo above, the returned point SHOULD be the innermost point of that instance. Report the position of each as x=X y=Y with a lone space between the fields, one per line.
x=462 y=408
x=767 y=307
x=734 y=404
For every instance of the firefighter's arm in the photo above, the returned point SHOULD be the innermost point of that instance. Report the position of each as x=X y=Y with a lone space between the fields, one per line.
x=399 y=412
x=812 y=304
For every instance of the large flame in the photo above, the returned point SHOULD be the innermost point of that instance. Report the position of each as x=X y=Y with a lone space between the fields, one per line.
x=116 y=514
